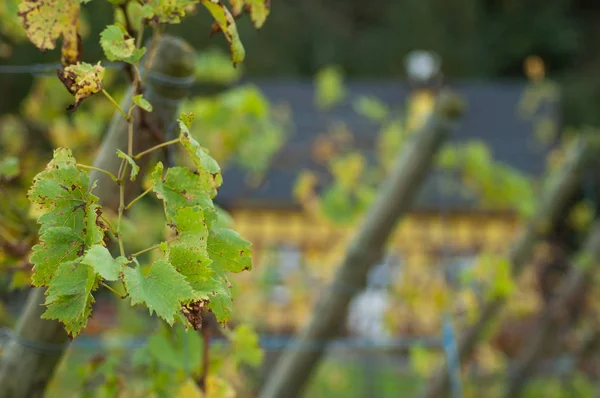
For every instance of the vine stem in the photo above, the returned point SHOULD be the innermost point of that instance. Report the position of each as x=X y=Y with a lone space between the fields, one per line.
x=149 y=249
x=138 y=198
x=117 y=106
x=121 y=209
x=108 y=173
x=119 y=295
x=205 y=352
x=154 y=148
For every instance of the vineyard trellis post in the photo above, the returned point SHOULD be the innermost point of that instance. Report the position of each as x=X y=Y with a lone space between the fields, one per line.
x=294 y=368
x=562 y=187
x=36 y=347
x=548 y=327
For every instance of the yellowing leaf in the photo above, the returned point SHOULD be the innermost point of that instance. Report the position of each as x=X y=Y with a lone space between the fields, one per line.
x=47 y=20
x=226 y=23
x=82 y=80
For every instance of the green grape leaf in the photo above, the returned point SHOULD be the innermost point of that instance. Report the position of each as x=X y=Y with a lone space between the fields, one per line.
x=47 y=20
x=162 y=289
x=245 y=346
x=103 y=263
x=70 y=219
x=181 y=188
x=199 y=156
x=229 y=251
x=57 y=245
x=69 y=297
x=9 y=168
x=135 y=169
x=142 y=102
x=119 y=46
x=226 y=23
x=219 y=299
x=82 y=80
x=189 y=255
x=61 y=192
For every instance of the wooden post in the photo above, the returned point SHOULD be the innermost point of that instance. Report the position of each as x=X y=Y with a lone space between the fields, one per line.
x=37 y=345
x=562 y=188
x=548 y=327
x=293 y=370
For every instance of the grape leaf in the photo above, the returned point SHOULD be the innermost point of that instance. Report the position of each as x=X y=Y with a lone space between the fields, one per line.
x=82 y=80
x=181 y=188
x=135 y=169
x=47 y=20
x=69 y=221
x=119 y=46
x=189 y=255
x=142 y=102
x=57 y=245
x=61 y=193
x=69 y=296
x=200 y=157
x=102 y=262
x=226 y=23
x=229 y=251
x=162 y=289
x=219 y=299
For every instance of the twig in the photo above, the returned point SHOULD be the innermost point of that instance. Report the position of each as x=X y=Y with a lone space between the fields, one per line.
x=119 y=295
x=108 y=173
x=154 y=148
x=117 y=106
x=140 y=196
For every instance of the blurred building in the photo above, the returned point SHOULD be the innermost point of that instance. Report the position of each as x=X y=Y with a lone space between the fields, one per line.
x=448 y=223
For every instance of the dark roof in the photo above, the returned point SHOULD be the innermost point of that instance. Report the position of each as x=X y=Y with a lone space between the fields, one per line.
x=492 y=116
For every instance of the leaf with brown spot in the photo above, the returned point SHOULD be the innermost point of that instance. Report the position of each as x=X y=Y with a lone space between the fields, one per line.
x=47 y=20
x=82 y=80
x=226 y=23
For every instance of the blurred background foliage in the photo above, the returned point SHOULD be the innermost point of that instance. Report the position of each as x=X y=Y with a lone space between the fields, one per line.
x=483 y=39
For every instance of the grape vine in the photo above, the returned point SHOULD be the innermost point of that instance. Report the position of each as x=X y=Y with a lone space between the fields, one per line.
x=72 y=259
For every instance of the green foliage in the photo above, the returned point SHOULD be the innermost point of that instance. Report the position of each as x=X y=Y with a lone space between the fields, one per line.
x=160 y=287
x=143 y=103
x=371 y=107
x=69 y=298
x=119 y=46
x=329 y=87
x=245 y=346
x=213 y=66
x=99 y=258
x=135 y=169
x=9 y=168
x=239 y=126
